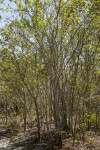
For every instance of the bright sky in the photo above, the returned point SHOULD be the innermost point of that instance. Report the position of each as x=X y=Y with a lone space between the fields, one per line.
x=8 y=14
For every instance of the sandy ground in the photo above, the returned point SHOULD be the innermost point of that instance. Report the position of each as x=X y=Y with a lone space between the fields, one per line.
x=6 y=145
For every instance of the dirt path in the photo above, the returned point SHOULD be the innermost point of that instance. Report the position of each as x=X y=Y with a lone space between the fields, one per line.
x=6 y=145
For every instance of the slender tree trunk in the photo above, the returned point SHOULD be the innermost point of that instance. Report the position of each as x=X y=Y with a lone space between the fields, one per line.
x=38 y=119
x=6 y=109
x=24 y=113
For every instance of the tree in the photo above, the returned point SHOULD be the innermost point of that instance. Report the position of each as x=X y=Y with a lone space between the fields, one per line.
x=53 y=49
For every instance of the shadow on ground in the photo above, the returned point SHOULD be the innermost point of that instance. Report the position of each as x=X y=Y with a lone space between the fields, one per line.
x=48 y=142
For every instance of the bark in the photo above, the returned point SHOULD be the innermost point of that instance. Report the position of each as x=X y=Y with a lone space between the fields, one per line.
x=24 y=113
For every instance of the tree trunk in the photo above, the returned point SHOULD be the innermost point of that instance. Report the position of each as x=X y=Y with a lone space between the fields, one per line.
x=24 y=113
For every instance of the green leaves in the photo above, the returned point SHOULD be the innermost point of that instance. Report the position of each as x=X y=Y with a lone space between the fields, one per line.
x=1 y=1
x=50 y=52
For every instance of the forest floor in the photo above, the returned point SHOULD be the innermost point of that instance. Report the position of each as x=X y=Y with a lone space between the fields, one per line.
x=26 y=141
x=15 y=140
x=92 y=142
